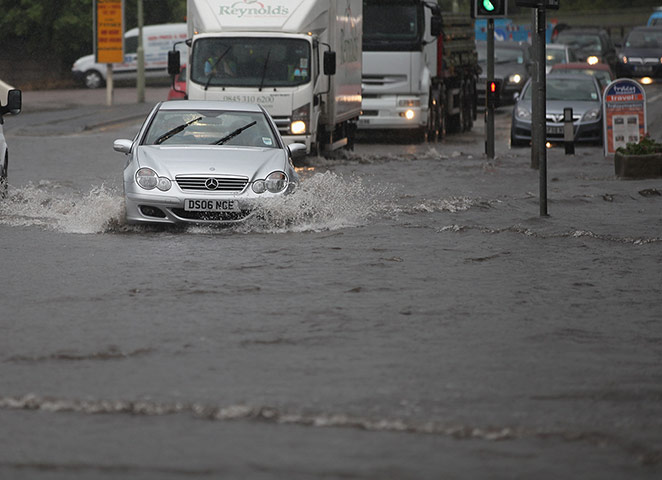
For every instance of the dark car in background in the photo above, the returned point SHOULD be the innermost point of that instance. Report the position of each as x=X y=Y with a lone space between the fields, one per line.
x=512 y=68
x=641 y=55
x=580 y=92
x=600 y=71
x=591 y=45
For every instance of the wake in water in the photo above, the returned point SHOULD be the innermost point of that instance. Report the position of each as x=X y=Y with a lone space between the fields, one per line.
x=324 y=201
x=45 y=204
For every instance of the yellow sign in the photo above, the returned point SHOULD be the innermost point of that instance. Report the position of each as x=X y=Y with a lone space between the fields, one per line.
x=109 y=28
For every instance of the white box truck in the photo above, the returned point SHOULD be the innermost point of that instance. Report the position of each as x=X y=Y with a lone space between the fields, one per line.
x=300 y=59
x=420 y=68
x=158 y=40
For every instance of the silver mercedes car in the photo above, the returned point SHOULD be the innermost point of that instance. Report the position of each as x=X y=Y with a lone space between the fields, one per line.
x=205 y=162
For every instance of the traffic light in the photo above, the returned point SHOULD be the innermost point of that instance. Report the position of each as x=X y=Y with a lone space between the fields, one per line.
x=492 y=93
x=489 y=8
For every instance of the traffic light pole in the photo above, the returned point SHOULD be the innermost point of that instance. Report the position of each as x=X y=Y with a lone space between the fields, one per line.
x=535 y=108
x=489 y=106
x=541 y=124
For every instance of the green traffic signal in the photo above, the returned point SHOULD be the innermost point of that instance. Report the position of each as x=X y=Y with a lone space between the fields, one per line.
x=488 y=6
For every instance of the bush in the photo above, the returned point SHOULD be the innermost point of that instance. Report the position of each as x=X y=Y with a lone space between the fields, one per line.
x=645 y=146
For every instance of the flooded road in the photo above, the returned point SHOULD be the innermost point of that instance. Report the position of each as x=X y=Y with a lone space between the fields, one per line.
x=406 y=314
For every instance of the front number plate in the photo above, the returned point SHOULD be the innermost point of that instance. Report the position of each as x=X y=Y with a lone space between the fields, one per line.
x=211 y=205
x=554 y=130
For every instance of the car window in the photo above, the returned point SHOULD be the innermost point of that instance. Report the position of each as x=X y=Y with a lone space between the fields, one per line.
x=570 y=89
x=206 y=127
x=508 y=55
x=587 y=42
x=555 y=55
x=649 y=39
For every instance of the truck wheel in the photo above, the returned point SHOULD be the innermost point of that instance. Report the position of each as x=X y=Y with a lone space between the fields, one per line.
x=435 y=115
x=93 y=79
x=3 y=176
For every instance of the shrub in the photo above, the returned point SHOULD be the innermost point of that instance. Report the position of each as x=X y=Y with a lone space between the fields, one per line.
x=645 y=146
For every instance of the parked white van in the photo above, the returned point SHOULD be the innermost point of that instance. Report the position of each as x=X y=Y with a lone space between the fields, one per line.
x=157 y=40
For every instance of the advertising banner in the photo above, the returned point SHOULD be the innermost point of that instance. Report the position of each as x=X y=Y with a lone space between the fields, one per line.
x=109 y=31
x=624 y=114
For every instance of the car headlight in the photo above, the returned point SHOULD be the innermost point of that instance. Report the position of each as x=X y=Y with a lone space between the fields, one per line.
x=592 y=60
x=276 y=182
x=591 y=115
x=624 y=59
x=522 y=113
x=149 y=180
x=259 y=186
x=515 y=78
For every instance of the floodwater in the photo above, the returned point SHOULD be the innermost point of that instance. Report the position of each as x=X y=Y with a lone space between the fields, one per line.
x=405 y=314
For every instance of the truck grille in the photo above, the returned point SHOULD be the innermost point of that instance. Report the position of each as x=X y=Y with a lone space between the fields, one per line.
x=211 y=184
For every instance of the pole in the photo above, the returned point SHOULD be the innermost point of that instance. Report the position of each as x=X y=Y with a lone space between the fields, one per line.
x=542 y=94
x=140 y=52
x=489 y=108
x=535 y=107
x=109 y=84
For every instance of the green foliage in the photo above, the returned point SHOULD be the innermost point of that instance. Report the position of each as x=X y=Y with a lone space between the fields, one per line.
x=645 y=146
x=63 y=29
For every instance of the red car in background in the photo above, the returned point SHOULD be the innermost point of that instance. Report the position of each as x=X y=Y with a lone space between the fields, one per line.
x=178 y=90
x=600 y=71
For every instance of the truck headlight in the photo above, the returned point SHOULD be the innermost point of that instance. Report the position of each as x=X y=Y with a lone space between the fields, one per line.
x=300 y=120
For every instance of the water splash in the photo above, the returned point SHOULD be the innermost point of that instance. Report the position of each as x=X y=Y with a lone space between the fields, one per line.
x=324 y=201
x=45 y=204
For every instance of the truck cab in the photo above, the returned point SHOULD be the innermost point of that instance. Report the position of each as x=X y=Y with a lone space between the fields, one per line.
x=414 y=74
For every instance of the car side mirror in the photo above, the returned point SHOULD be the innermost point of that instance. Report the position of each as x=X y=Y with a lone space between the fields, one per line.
x=329 y=63
x=122 y=145
x=297 y=150
x=436 y=25
x=174 y=62
x=14 y=103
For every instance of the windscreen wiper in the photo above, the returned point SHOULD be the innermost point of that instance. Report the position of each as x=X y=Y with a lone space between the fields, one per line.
x=174 y=131
x=212 y=73
x=264 y=70
x=234 y=134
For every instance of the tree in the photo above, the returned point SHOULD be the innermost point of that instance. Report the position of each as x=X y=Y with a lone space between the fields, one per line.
x=63 y=30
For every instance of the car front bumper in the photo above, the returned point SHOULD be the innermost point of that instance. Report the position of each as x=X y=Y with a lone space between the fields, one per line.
x=589 y=132
x=143 y=206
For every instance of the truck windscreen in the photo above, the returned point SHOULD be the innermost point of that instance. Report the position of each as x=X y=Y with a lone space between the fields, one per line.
x=392 y=25
x=250 y=62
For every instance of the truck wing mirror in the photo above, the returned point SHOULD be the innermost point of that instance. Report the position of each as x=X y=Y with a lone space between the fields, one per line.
x=329 y=63
x=174 y=62
x=436 y=25
x=14 y=101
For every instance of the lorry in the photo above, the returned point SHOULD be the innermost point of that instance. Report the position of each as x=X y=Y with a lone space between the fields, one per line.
x=157 y=42
x=299 y=59
x=420 y=68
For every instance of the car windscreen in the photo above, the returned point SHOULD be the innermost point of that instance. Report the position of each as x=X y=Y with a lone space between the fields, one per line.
x=251 y=62
x=501 y=55
x=644 y=39
x=554 y=56
x=570 y=89
x=209 y=127
x=391 y=25
x=589 y=43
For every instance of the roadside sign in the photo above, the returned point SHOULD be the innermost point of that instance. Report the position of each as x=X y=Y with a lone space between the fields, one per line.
x=624 y=114
x=109 y=31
